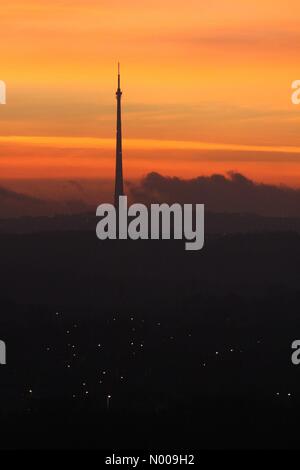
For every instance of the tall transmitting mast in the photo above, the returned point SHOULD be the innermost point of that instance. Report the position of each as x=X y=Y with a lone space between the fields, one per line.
x=119 y=187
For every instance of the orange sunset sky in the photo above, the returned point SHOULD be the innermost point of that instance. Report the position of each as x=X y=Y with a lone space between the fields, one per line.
x=206 y=88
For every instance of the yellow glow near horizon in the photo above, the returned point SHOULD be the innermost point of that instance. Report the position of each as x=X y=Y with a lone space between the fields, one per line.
x=141 y=144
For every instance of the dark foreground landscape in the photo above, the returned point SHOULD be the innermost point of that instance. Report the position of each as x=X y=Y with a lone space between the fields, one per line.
x=144 y=345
